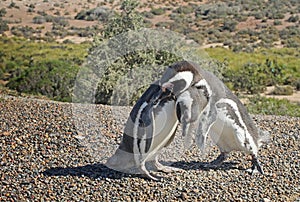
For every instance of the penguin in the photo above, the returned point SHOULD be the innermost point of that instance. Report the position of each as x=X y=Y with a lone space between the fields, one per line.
x=151 y=125
x=189 y=106
x=222 y=116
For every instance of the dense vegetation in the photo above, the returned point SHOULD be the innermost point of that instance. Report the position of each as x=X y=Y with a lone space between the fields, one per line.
x=50 y=69
x=252 y=72
x=40 y=68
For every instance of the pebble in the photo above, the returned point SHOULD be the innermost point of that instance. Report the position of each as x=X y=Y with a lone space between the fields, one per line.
x=45 y=157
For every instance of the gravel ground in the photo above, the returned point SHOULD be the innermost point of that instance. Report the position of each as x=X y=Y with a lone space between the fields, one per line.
x=45 y=157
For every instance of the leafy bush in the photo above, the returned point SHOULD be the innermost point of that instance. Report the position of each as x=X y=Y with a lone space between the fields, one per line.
x=2 y=12
x=282 y=90
x=24 y=31
x=249 y=78
x=158 y=11
x=253 y=78
x=98 y=13
x=54 y=79
x=12 y=5
x=229 y=25
x=60 y=21
x=39 y=19
x=293 y=18
x=272 y=106
x=185 y=9
x=3 y=26
x=277 y=22
x=148 y=14
x=40 y=68
x=128 y=20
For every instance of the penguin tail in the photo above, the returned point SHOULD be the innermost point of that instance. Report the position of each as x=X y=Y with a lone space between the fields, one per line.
x=264 y=137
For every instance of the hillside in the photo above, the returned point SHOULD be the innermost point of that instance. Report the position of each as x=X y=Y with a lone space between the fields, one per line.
x=241 y=25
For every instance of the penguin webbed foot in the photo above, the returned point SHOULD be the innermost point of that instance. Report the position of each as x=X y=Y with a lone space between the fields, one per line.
x=146 y=174
x=151 y=177
x=218 y=161
x=256 y=167
x=166 y=169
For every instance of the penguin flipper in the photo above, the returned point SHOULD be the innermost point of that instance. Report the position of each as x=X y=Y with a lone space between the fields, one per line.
x=146 y=129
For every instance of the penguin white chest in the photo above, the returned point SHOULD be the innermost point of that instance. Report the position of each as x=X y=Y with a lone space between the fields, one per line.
x=165 y=124
x=225 y=135
x=229 y=131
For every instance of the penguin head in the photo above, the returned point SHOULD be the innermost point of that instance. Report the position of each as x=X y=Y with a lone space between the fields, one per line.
x=179 y=77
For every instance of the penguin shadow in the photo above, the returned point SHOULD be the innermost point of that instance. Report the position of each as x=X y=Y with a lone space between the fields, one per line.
x=101 y=172
x=197 y=165
x=94 y=171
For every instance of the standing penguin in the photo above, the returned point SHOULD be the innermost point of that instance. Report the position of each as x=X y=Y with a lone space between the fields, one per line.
x=229 y=124
x=224 y=118
x=150 y=127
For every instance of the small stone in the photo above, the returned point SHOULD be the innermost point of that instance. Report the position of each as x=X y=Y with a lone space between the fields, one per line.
x=184 y=196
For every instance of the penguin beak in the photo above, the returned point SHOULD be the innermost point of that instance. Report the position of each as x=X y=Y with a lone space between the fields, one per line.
x=156 y=97
x=162 y=94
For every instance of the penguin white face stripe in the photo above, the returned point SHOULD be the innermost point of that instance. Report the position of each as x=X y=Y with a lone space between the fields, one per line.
x=204 y=83
x=187 y=76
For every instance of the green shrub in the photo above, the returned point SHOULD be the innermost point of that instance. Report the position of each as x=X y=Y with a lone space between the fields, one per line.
x=249 y=78
x=24 y=31
x=158 y=11
x=229 y=25
x=277 y=22
x=185 y=9
x=253 y=78
x=30 y=66
x=148 y=14
x=54 y=79
x=98 y=13
x=3 y=26
x=272 y=106
x=293 y=18
x=117 y=67
x=282 y=90
x=39 y=19
x=2 y=12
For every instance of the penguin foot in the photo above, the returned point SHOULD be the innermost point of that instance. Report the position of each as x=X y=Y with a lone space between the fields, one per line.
x=145 y=173
x=252 y=171
x=218 y=161
x=256 y=167
x=151 y=177
x=165 y=169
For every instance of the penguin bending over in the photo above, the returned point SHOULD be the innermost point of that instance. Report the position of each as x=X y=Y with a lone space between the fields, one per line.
x=150 y=127
x=220 y=114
